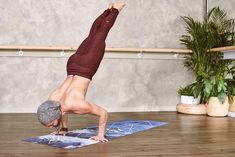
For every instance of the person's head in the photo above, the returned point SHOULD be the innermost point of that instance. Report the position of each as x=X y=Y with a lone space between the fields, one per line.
x=49 y=113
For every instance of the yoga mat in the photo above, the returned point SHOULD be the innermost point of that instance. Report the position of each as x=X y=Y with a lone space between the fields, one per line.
x=80 y=137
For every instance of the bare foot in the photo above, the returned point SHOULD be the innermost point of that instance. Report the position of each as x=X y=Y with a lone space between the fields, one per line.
x=118 y=6
x=110 y=5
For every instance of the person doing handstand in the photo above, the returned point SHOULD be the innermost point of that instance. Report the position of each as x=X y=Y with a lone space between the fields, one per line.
x=81 y=67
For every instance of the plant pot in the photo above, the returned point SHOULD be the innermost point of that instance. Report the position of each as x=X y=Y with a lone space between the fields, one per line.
x=191 y=109
x=216 y=109
x=189 y=100
x=232 y=105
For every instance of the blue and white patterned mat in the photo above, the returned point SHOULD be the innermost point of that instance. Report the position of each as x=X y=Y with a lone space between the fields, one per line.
x=80 y=137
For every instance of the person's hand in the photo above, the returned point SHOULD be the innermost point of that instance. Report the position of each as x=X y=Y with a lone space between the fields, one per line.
x=61 y=132
x=99 y=138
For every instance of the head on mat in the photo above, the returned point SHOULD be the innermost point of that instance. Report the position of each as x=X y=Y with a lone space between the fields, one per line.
x=49 y=113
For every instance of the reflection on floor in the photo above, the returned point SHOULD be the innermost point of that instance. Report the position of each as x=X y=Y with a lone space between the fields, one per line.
x=80 y=137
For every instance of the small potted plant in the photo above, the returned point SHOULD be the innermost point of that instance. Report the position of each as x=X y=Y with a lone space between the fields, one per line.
x=218 y=105
x=190 y=100
x=187 y=95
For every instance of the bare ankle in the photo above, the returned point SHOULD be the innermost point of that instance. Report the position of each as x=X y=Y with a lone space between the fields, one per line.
x=118 y=6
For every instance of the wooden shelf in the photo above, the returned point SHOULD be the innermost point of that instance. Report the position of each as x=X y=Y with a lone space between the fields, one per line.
x=224 y=49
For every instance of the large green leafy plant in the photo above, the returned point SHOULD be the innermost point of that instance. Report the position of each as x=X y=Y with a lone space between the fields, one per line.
x=210 y=69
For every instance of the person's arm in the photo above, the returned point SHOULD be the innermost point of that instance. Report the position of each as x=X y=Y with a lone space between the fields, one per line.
x=103 y=116
x=64 y=123
x=83 y=107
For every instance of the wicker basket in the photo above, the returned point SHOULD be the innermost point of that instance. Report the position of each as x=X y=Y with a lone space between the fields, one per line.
x=216 y=109
x=191 y=109
x=232 y=105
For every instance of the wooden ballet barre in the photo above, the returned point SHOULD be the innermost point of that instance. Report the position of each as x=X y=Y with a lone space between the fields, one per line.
x=38 y=48
x=67 y=48
x=148 y=50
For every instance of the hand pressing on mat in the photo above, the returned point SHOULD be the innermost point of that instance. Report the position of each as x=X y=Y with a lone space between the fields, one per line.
x=99 y=138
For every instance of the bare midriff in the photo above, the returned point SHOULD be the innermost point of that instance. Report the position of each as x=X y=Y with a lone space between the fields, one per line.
x=79 y=85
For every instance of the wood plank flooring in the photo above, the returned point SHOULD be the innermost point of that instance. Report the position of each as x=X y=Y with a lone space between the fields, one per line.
x=185 y=135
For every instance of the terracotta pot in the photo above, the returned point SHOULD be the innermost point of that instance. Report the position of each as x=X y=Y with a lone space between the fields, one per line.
x=232 y=105
x=216 y=109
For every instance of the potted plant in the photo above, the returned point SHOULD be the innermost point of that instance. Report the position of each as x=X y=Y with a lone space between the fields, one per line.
x=219 y=87
x=190 y=100
x=221 y=30
x=187 y=95
x=218 y=102
x=209 y=68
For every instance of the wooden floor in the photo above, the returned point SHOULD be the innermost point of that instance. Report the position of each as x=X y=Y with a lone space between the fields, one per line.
x=185 y=135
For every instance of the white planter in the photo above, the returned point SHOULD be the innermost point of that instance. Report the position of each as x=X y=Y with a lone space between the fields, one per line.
x=190 y=100
x=216 y=109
